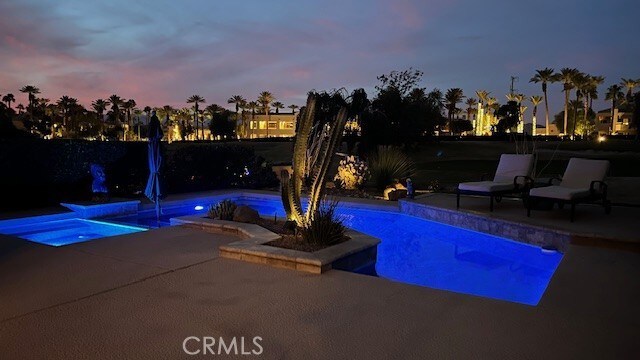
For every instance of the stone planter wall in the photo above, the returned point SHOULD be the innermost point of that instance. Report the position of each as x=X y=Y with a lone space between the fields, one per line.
x=525 y=233
x=358 y=252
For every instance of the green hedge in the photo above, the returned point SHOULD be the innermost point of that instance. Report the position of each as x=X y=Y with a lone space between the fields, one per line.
x=36 y=172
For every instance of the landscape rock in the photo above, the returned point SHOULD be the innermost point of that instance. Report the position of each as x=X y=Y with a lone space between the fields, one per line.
x=245 y=214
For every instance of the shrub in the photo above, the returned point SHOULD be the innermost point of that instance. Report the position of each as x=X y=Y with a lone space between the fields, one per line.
x=47 y=172
x=324 y=228
x=352 y=173
x=387 y=164
x=222 y=210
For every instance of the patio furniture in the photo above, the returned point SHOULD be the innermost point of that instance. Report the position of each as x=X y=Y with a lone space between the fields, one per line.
x=512 y=176
x=583 y=182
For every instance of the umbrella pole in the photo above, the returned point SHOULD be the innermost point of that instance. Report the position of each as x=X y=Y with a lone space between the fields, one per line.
x=158 y=211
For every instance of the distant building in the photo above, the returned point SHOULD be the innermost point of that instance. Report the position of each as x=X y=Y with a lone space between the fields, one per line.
x=275 y=125
x=541 y=130
x=620 y=123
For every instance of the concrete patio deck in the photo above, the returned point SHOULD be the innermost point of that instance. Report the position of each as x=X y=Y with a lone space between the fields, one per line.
x=141 y=295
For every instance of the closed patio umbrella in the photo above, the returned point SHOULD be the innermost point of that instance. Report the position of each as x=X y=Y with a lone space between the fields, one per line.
x=153 y=190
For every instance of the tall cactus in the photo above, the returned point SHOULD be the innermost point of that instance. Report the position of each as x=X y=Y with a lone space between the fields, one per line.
x=329 y=140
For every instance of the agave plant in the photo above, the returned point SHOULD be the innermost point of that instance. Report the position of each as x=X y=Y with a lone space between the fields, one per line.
x=311 y=159
x=222 y=210
x=387 y=164
x=323 y=227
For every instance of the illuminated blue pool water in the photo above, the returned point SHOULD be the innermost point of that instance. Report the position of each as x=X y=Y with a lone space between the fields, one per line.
x=67 y=231
x=426 y=253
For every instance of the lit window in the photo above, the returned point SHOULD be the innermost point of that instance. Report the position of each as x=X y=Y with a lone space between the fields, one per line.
x=263 y=125
x=273 y=125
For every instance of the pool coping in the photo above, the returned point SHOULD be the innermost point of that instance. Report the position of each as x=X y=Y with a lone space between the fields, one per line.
x=359 y=251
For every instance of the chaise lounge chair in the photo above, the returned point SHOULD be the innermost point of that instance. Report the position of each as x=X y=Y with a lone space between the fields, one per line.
x=512 y=176
x=583 y=182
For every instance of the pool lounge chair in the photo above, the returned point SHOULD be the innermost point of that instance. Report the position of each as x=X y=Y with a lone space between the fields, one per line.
x=512 y=176
x=582 y=182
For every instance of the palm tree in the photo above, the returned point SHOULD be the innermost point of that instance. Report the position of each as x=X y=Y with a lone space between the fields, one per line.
x=278 y=105
x=128 y=106
x=545 y=76
x=240 y=102
x=99 y=106
x=471 y=102
x=9 y=98
x=492 y=104
x=535 y=100
x=20 y=108
x=167 y=111
x=630 y=84
x=265 y=99
x=115 y=102
x=482 y=100
x=581 y=82
x=196 y=99
x=293 y=108
x=614 y=93
x=65 y=104
x=253 y=106
x=451 y=98
x=566 y=76
x=32 y=91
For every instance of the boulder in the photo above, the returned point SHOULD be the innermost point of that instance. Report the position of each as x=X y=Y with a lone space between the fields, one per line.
x=245 y=214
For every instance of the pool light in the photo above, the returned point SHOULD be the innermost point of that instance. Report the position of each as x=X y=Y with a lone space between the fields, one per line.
x=198 y=208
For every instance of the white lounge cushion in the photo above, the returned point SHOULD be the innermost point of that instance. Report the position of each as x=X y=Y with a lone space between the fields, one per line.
x=512 y=165
x=559 y=192
x=581 y=172
x=486 y=186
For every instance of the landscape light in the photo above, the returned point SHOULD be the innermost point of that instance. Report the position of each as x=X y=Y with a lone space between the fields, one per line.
x=601 y=138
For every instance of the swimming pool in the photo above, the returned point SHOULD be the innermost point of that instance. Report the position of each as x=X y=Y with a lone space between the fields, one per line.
x=422 y=252
x=66 y=231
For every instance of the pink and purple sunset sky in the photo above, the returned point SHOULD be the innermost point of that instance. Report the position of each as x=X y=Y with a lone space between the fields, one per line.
x=161 y=52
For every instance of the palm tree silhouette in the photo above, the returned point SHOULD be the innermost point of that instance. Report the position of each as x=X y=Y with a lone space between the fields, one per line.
x=277 y=105
x=253 y=106
x=240 y=102
x=614 y=93
x=8 y=99
x=99 y=106
x=265 y=99
x=567 y=76
x=630 y=84
x=128 y=106
x=32 y=91
x=471 y=102
x=452 y=97
x=293 y=108
x=545 y=76
x=115 y=102
x=65 y=104
x=196 y=99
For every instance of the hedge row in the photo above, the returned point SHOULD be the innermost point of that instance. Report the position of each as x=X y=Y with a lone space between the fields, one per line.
x=36 y=172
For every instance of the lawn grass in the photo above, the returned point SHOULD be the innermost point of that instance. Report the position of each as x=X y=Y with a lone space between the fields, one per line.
x=447 y=163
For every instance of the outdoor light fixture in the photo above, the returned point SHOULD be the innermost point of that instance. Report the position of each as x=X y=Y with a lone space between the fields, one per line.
x=601 y=138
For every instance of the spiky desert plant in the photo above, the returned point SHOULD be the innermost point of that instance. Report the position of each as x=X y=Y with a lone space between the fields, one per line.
x=324 y=227
x=389 y=163
x=222 y=210
x=326 y=143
